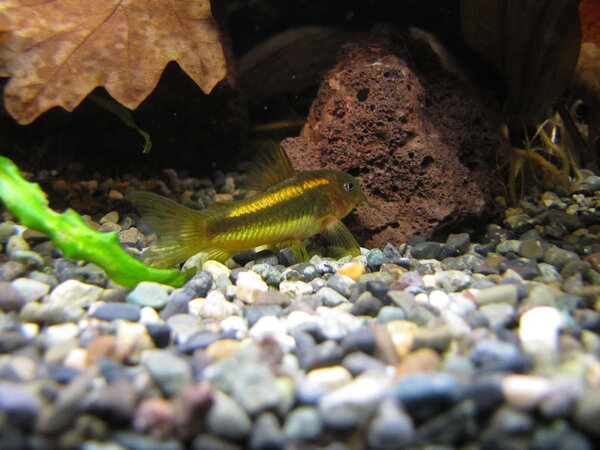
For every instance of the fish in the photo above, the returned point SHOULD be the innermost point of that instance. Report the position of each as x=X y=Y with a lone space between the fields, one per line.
x=289 y=207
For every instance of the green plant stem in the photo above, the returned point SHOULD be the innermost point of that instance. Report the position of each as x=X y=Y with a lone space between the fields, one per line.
x=73 y=236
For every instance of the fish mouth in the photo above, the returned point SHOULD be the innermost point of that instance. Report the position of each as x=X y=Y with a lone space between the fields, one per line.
x=364 y=201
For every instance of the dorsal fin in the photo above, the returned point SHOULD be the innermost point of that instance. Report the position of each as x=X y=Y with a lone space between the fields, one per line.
x=270 y=166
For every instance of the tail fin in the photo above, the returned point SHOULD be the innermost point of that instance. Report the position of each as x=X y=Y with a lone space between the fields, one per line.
x=179 y=229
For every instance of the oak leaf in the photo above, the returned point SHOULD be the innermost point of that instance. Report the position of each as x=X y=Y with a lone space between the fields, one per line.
x=57 y=51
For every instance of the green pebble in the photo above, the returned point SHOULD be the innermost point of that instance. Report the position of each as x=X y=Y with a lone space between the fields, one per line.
x=148 y=293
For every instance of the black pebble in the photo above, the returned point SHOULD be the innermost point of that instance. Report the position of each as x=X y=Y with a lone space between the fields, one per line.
x=160 y=334
x=426 y=250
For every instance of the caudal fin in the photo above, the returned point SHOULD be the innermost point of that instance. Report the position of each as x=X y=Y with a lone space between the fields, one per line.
x=179 y=229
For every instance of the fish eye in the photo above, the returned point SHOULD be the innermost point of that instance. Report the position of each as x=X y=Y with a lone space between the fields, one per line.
x=349 y=186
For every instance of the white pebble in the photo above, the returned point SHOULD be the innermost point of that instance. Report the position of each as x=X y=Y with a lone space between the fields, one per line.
x=275 y=328
x=149 y=315
x=30 y=329
x=59 y=334
x=235 y=323
x=539 y=330
x=249 y=285
x=439 y=299
x=329 y=378
x=214 y=306
x=76 y=359
x=525 y=391
x=295 y=288
x=73 y=293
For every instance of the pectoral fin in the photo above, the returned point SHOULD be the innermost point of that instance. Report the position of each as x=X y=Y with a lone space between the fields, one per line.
x=339 y=236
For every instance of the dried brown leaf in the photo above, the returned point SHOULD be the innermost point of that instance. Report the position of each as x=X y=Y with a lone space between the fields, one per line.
x=58 y=51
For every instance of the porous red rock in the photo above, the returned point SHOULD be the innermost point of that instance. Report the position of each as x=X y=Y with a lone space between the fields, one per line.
x=419 y=139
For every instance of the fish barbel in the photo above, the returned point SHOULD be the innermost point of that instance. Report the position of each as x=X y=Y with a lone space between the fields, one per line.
x=290 y=207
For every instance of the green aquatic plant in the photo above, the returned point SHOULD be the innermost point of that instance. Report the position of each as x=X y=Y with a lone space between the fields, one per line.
x=75 y=238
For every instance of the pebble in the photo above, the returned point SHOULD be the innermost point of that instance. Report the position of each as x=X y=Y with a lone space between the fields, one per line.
x=490 y=344
x=341 y=284
x=525 y=391
x=295 y=288
x=73 y=293
x=352 y=270
x=227 y=419
x=10 y=298
x=303 y=424
x=267 y=433
x=539 y=330
x=148 y=293
x=214 y=306
x=502 y=293
x=113 y=311
x=170 y=372
x=249 y=285
x=331 y=297
x=391 y=427
x=349 y=405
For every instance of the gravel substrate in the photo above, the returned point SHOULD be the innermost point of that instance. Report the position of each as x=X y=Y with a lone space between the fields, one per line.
x=492 y=344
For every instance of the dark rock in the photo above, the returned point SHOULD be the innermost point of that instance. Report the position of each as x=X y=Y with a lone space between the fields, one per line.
x=177 y=302
x=200 y=284
x=113 y=311
x=61 y=374
x=396 y=113
x=447 y=252
x=426 y=250
x=486 y=392
x=426 y=395
x=495 y=355
x=453 y=427
x=379 y=289
x=287 y=257
x=200 y=339
x=366 y=305
x=460 y=241
x=160 y=334
x=244 y=257
x=362 y=340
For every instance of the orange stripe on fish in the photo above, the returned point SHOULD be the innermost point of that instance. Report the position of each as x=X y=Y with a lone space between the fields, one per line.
x=281 y=195
x=289 y=207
